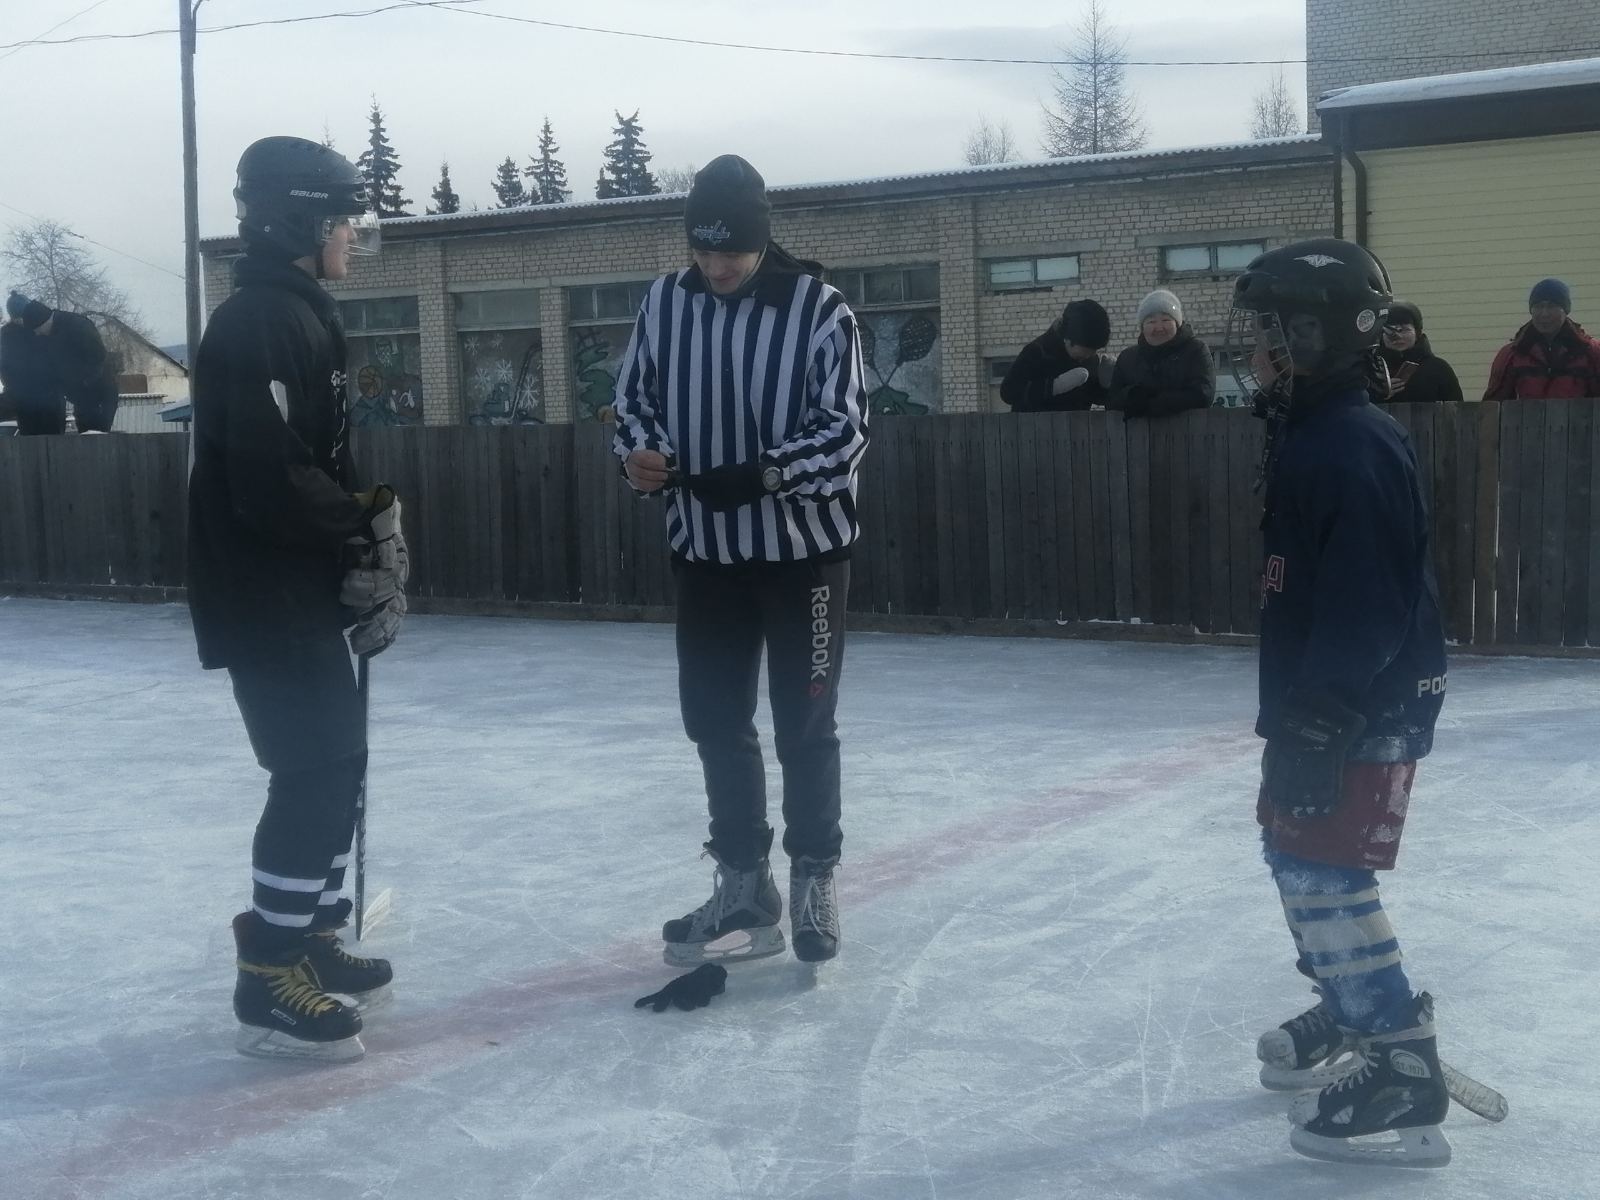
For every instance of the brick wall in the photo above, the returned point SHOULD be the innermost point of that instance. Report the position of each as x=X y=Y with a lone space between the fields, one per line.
x=1384 y=31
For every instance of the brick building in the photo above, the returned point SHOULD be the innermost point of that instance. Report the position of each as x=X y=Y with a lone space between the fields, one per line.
x=1407 y=39
x=521 y=314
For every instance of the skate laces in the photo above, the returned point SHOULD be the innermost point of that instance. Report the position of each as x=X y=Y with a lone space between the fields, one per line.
x=1310 y=1023
x=817 y=906
x=336 y=945
x=291 y=987
x=1355 y=1078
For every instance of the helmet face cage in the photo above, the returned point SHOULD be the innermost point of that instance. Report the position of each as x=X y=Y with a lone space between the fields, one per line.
x=1257 y=351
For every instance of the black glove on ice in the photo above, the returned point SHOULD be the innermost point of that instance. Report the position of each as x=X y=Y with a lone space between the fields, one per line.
x=690 y=991
x=728 y=486
x=1303 y=770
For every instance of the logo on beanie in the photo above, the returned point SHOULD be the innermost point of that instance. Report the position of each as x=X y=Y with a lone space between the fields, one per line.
x=1319 y=260
x=1365 y=320
x=715 y=234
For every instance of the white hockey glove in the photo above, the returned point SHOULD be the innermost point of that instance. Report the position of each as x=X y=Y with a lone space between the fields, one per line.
x=1069 y=380
x=376 y=630
x=377 y=564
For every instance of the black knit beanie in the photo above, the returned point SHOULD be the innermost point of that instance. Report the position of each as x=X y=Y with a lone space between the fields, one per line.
x=1085 y=323
x=727 y=209
x=1403 y=312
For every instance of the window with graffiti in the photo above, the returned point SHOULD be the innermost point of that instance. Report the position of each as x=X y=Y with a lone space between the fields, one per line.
x=501 y=356
x=597 y=352
x=897 y=312
x=385 y=360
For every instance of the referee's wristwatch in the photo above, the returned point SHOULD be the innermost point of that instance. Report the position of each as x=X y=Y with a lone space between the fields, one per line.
x=771 y=478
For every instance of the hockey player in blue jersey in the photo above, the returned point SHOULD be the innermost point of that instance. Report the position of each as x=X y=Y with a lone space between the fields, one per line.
x=1352 y=678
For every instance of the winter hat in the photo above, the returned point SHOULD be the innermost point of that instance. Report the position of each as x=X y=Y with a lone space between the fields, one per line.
x=16 y=304
x=728 y=208
x=1084 y=323
x=1157 y=303
x=1403 y=312
x=31 y=313
x=1551 y=291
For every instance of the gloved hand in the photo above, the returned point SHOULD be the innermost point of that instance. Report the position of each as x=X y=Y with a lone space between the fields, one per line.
x=1106 y=369
x=728 y=486
x=1069 y=380
x=1303 y=769
x=690 y=991
x=377 y=564
x=376 y=629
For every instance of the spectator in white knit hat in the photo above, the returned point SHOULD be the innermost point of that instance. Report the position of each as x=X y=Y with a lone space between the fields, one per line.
x=1168 y=370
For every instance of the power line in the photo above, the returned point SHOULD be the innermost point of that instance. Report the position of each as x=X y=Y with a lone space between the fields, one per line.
x=83 y=13
x=150 y=33
x=83 y=237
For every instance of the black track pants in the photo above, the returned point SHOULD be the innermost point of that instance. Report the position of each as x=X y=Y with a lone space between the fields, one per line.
x=725 y=616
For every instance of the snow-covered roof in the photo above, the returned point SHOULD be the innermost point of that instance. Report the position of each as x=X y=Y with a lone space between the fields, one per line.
x=1536 y=77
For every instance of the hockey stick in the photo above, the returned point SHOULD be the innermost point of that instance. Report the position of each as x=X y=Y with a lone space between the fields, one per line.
x=359 y=896
x=1473 y=1096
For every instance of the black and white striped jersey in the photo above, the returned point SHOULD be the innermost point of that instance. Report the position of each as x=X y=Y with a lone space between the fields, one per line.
x=775 y=375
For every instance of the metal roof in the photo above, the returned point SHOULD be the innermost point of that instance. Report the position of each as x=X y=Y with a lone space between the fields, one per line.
x=1535 y=77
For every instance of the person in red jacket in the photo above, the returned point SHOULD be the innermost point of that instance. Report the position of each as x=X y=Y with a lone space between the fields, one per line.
x=1551 y=357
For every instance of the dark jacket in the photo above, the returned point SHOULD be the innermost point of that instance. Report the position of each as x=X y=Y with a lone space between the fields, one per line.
x=269 y=498
x=33 y=393
x=1160 y=381
x=1026 y=387
x=1349 y=601
x=1530 y=368
x=85 y=371
x=1419 y=376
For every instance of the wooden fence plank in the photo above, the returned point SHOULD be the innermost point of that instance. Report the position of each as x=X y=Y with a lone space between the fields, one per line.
x=1070 y=604
x=1163 y=603
x=1552 y=459
x=1445 y=516
x=1509 y=468
x=994 y=493
x=1576 y=617
x=1530 y=540
x=1117 y=500
x=1096 y=427
x=1218 y=497
x=1083 y=539
x=1137 y=434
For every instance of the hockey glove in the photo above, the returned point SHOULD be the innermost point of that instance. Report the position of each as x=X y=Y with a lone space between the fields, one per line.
x=728 y=486
x=376 y=629
x=1069 y=381
x=377 y=563
x=1303 y=770
x=690 y=991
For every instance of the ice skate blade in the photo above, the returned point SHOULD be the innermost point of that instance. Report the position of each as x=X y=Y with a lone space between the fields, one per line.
x=1419 y=1146
x=1285 y=1079
x=738 y=946
x=271 y=1043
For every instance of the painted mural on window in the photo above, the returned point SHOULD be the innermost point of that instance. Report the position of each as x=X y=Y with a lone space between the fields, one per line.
x=385 y=380
x=597 y=352
x=502 y=377
x=901 y=353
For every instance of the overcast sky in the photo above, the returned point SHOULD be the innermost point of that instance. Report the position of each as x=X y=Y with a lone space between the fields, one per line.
x=92 y=139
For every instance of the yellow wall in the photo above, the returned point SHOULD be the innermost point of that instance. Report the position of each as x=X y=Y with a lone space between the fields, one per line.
x=1466 y=230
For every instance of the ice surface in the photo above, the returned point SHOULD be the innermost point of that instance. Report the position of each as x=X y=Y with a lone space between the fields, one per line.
x=1060 y=944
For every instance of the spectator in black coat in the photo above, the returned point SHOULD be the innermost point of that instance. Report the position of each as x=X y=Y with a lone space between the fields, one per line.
x=1065 y=367
x=1168 y=370
x=32 y=390
x=1416 y=374
x=84 y=370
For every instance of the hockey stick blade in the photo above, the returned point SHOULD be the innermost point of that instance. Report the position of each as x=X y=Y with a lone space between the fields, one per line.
x=1475 y=1097
x=380 y=908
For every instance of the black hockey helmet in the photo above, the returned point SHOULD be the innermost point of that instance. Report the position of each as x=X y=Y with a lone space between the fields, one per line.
x=1309 y=307
x=291 y=193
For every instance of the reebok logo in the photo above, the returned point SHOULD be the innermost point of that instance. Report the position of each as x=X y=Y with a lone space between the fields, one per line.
x=715 y=234
x=821 y=640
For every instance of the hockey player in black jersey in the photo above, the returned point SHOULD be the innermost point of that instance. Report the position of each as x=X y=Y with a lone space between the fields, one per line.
x=1352 y=679
x=285 y=554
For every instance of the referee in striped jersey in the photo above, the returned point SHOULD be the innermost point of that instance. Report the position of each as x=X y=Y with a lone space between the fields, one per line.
x=741 y=402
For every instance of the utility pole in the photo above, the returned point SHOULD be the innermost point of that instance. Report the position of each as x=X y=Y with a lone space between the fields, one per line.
x=191 y=186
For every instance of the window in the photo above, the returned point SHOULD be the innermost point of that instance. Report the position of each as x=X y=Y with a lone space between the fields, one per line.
x=502 y=357
x=607 y=301
x=601 y=322
x=870 y=287
x=1229 y=393
x=1216 y=258
x=385 y=360
x=1006 y=273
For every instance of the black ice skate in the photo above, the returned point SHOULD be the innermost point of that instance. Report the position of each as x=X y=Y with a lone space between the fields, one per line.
x=364 y=980
x=814 y=908
x=1397 y=1088
x=1308 y=1051
x=282 y=1011
x=739 y=922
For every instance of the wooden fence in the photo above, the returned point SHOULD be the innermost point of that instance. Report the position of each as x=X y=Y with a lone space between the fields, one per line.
x=1075 y=517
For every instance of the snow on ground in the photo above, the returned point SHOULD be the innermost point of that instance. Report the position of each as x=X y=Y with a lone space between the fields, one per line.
x=1060 y=944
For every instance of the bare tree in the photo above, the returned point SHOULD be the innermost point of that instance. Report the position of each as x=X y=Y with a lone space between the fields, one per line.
x=990 y=143
x=48 y=262
x=1276 y=112
x=676 y=179
x=1093 y=113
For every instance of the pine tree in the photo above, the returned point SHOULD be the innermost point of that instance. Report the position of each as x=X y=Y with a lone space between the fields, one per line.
x=380 y=167
x=547 y=172
x=626 y=169
x=508 y=185
x=444 y=195
x=1094 y=113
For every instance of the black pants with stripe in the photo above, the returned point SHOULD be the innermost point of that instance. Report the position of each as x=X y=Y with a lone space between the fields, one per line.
x=303 y=714
x=726 y=614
